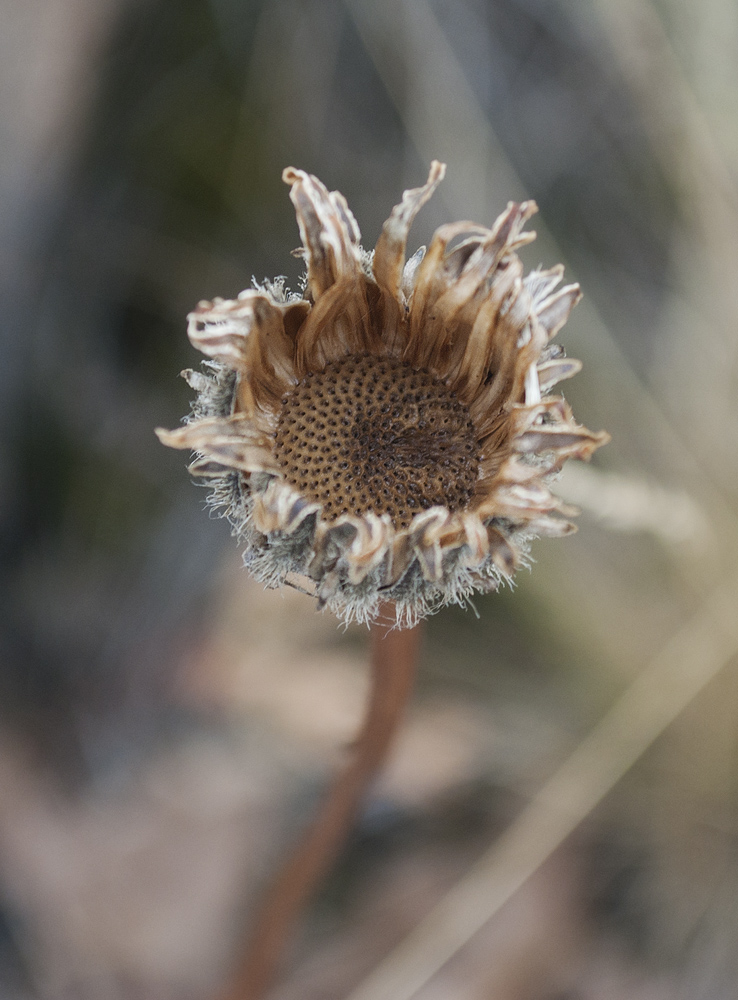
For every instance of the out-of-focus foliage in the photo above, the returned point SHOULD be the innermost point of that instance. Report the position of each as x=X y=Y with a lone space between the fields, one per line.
x=150 y=699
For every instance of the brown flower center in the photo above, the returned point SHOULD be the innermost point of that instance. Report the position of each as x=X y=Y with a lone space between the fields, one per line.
x=372 y=434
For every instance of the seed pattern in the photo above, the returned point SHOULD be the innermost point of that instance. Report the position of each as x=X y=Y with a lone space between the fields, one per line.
x=373 y=434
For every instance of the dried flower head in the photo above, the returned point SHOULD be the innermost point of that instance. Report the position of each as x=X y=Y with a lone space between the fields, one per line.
x=389 y=436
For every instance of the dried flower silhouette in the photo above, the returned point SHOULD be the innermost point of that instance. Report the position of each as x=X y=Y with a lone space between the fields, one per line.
x=388 y=437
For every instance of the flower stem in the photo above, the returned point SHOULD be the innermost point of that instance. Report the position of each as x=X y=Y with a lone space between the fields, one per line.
x=393 y=662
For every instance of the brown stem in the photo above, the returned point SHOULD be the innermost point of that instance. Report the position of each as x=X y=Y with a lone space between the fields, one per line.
x=394 y=658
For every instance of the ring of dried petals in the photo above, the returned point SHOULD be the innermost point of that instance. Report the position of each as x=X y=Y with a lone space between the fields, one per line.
x=388 y=437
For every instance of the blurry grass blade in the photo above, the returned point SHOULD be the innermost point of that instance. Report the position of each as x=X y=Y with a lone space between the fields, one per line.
x=631 y=504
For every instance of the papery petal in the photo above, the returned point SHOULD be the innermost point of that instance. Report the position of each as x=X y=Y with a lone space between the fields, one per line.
x=329 y=231
x=553 y=312
x=509 y=361
x=426 y=530
x=230 y=441
x=331 y=545
x=567 y=442
x=410 y=271
x=248 y=333
x=502 y=551
x=482 y=343
x=341 y=322
x=518 y=503
x=427 y=339
x=281 y=508
x=389 y=255
x=475 y=539
x=452 y=297
x=552 y=527
x=540 y=284
x=550 y=373
x=369 y=547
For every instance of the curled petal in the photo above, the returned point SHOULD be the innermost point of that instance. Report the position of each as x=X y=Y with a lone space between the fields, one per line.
x=329 y=231
x=514 y=470
x=475 y=539
x=540 y=284
x=520 y=503
x=219 y=329
x=248 y=333
x=483 y=340
x=553 y=312
x=515 y=347
x=574 y=442
x=340 y=323
x=331 y=544
x=410 y=270
x=400 y=557
x=228 y=441
x=552 y=527
x=431 y=280
x=281 y=508
x=464 y=280
x=369 y=546
x=389 y=255
x=503 y=553
x=426 y=531
x=550 y=373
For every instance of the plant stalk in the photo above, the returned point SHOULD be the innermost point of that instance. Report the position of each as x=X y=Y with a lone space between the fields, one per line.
x=394 y=655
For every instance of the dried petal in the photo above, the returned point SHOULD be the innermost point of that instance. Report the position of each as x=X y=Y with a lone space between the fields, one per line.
x=389 y=255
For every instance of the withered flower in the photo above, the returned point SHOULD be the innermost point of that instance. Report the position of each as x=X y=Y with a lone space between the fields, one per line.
x=389 y=436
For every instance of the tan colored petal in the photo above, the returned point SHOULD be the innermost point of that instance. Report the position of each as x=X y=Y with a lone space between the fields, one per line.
x=369 y=546
x=409 y=272
x=465 y=277
x=552 y=527
x=231 y=441
x=400 y=557
x=519 y=502
x=329 y=231
x=474 y=538
x=515 y=470
x=281 y=508
x=567 y=442
x=481 y=344
x=550 y=373
x=248 y=333
x=514 y=347
x=330 y=545
x=426 y=531
x=554 y=311
x=431 y=281
x=389 y=255
x=502 y=551
x=540 y=284
x=341 y=322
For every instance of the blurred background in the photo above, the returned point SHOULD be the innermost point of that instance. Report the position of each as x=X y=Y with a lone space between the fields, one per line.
x=166 y=727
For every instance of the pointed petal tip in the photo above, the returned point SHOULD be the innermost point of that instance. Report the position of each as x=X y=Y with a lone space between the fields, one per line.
x=436 y=173
x=291 y=175
x=171 y=439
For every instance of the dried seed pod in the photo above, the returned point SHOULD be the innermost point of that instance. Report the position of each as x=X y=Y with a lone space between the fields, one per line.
x=388 y=437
